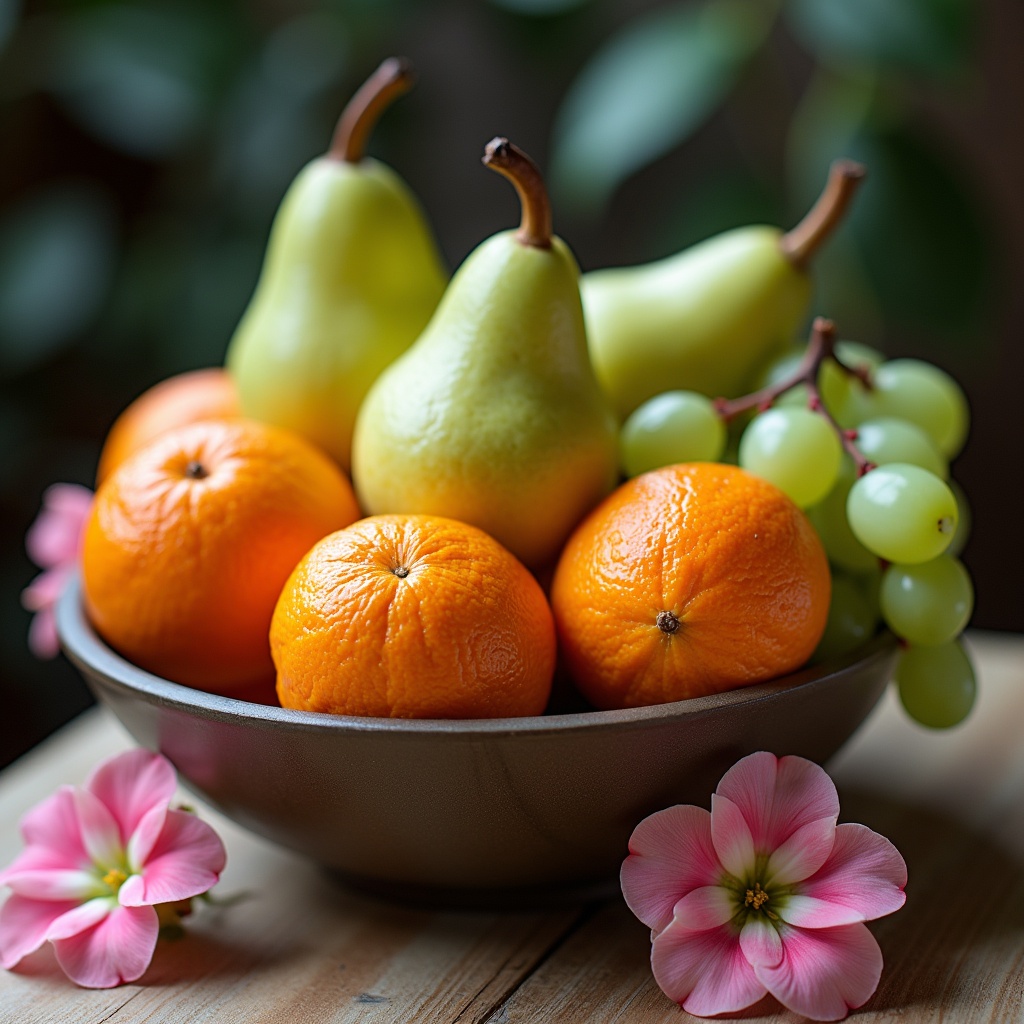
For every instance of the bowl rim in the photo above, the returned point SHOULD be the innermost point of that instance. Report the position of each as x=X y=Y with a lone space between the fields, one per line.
x=87 y=651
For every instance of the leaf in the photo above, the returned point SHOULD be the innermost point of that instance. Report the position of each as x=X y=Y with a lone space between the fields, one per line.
x=644 y=92
x=925 y=244
x=57 y=252
x=828 y=124
x=916 y=243
x=731 y=198
x=178 y=297
x=915 y=36
x=272 y=120
x=306 y=56
x=138 y=78
x=216 y=286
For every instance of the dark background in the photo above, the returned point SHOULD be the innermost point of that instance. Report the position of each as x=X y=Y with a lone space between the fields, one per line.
x=144 y=148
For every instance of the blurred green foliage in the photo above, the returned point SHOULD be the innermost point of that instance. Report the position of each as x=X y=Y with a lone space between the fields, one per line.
x=647 y=90
x=915 y=252
x=145 y=145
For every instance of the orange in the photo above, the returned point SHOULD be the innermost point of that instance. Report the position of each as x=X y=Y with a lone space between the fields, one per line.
x=686 y=581
x=413 y=616
x=191 y=539
x=175 y=402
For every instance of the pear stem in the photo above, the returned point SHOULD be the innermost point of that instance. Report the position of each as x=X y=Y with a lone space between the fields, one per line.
x=394 y=77
x=505 y=158
x=822 y=346
x=800 y=244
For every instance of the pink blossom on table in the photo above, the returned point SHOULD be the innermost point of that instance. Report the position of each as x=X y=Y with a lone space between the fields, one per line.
x=54 y=543
x=763 y=894
x=99 y=861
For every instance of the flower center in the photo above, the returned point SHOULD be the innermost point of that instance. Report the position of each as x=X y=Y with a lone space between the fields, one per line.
x=755 y=897
x=754 y=900
x=114 y=879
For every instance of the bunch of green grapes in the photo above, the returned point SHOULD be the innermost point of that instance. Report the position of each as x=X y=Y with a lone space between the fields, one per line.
x=891 y=522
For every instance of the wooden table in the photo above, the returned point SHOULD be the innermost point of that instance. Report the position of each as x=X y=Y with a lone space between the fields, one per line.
x=297 y=948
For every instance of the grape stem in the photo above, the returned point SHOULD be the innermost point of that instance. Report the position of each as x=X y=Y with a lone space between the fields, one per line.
x=822 y=346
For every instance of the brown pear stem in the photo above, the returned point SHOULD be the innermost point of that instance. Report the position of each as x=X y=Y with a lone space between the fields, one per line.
x=800 y=244
x=393 y=78
x=505 y=158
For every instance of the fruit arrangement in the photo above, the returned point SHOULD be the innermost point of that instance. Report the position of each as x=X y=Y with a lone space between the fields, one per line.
x=408 y=496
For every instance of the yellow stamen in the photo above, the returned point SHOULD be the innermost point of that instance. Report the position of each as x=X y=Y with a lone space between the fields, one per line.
x=114 y=878
x=756 y=897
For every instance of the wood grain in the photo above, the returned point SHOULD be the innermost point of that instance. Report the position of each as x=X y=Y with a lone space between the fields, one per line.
x=298 y=948
x=952 y=802
x=296 y=945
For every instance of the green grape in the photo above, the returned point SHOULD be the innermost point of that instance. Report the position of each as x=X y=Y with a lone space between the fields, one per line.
x=902 y=513
x=797 y=397
x=796 y=450
x=887 y=439
x=963 y=522
x=927 y=604
x=936 y=684
x=858 y=356
x=914 y=390
x=675 y=426
x=870 y=585
x=851 y=620
x=828 y=517
x=843 y=394
x=782 y=369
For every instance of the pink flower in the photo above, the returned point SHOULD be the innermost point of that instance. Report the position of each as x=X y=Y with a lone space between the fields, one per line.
x=54 y=542
x=763 y=894
x=98 y=860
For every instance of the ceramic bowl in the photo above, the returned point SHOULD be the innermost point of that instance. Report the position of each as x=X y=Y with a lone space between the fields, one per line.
x=486 y=812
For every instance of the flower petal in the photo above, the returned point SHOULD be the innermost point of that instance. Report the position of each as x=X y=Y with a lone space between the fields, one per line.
x=53 y=825
x=670 y=854
x=732 y=837
x=145 y=836
x=131 y=784
x=779 y=795
x=23 y=925
x=711 y=906
x=761 y=942
x=78 y=919
x=186 y=860
x=54 y=884
x=55 y=536
x=43 y=640
x=862 y=879
x=705 y=972
x=45 y=589
x=100 y=834
x=117 y=949
x=826 y=972
x=34 y=858
x=802 y=853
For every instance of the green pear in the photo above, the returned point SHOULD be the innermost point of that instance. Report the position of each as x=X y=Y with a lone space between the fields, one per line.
x=494 y=416
x=352 y=275
x=708 y=318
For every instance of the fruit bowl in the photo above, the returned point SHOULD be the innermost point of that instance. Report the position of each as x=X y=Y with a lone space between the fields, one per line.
x=470 y=813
